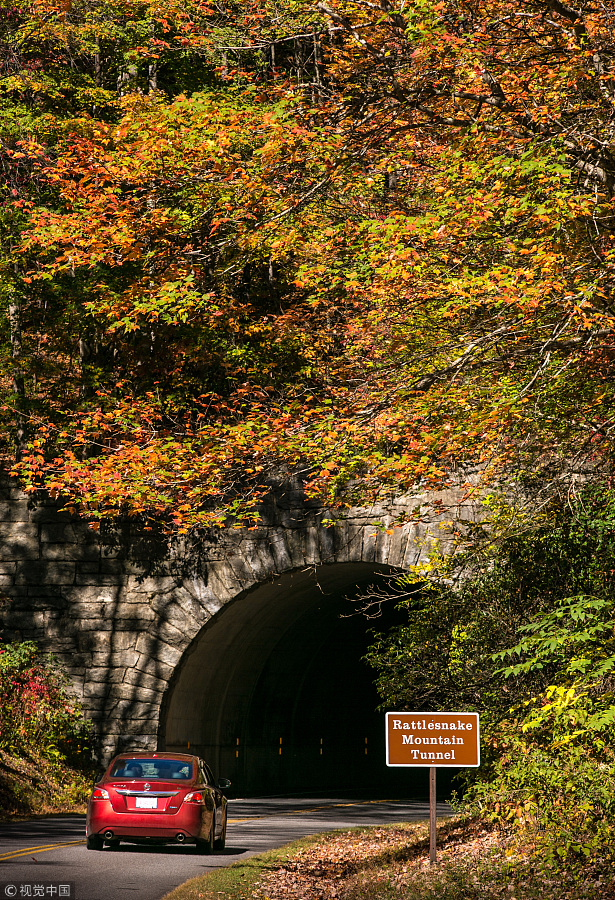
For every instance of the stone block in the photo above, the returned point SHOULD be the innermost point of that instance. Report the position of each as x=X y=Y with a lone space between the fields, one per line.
x=90 y=641
x=49 y=512
x=266 y=558
x=59 y=645
x=6 y=581
x=130 y=710
x=87 y=579
x=140 y=615
x=136 y=742
x=293 y=518
x=312 y=546
x=148 y=645
x=113 y=567
x=46 y=572
x=397 y=548
x=98 y=624
x=150 y=585
x=370 y=537
x=13 y=511
x=118 y=659
x=137 y=692
x=383 y=543
x=96 y=689
x=44 y=595
x=93 y=598
x=61 y=551
x=243 y=572
x=218 y=582
x=250 y=555
x=78 y=663
x=128 y=566
x=20 y=618
x=279 y=550
x=340 y=541
x=19 y=513
x=326 y=544
x=62 y=530
x=295 y=549
x=126 y=723
x=10 y=492
x=89 y=554
x=75 y=688
x=355 y=542
x=136 y=599
x=18 y=539
x=122 y=640
x=88 y=567
x=413 y=546
x=232 y=577
x=193 y=610
x=103 y=674
x=146 y=680
x=158 y=668
x=176 y=637
x=173 y=615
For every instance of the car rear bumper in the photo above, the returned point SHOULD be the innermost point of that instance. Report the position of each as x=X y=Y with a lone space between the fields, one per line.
x=103 y=818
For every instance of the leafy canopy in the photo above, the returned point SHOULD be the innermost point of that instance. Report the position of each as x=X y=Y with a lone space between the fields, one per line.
x=366 y=245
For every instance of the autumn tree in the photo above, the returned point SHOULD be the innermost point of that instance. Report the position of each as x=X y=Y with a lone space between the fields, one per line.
x=376 y=259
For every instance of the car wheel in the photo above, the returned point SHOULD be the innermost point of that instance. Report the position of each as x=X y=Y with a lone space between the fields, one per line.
x=94 y=842
x=208 y=845
x=220 y=844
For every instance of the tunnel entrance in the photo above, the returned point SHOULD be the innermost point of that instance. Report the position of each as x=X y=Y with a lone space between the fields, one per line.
x=274 y=694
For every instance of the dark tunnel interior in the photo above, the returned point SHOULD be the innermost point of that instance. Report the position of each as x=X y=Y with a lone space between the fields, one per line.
x=274 y=693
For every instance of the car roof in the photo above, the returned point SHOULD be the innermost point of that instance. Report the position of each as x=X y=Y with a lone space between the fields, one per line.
x=145 y=754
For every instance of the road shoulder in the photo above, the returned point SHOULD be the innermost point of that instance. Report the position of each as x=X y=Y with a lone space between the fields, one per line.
x=474 y=861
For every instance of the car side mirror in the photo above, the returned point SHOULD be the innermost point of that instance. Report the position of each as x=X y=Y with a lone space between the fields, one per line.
x=223 y=783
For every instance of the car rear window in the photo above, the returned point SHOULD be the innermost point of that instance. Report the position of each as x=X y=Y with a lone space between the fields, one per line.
x=163 y=769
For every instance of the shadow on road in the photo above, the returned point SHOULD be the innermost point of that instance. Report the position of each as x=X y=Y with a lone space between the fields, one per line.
x=47 y=830
x=174 y=850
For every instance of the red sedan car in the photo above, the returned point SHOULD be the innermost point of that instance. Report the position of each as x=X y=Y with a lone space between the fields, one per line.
x=158 y=797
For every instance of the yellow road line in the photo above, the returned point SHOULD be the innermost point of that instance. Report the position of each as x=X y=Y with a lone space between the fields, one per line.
x=293 y=812
x=42 y=849
x=300 y=812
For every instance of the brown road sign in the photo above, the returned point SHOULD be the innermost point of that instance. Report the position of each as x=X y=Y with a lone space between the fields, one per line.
x=432 y=739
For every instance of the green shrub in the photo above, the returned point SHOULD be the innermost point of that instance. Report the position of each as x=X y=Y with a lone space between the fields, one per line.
x=519 y=627
x=37 y=713
x=563 y=803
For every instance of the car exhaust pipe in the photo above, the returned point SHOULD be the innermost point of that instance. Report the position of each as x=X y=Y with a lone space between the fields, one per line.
x=180 y=838
x=108 y=835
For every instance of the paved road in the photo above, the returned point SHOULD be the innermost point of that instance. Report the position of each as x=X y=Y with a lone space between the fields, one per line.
x=50 y=853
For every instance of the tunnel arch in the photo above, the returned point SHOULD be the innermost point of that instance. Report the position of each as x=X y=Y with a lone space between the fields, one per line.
x=273 y=690
x=134 y=616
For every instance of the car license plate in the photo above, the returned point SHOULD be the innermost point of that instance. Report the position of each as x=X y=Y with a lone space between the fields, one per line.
x=146 y=803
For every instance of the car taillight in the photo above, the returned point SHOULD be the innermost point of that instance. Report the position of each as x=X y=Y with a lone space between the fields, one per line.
x=194 y=797
x=100 y=794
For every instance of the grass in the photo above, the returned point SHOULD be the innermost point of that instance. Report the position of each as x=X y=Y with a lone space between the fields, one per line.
x=392 y=863
x=238 y=881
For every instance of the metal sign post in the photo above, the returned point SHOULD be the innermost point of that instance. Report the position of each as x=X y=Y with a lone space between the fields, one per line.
x=432 y=740
x=432 y=816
